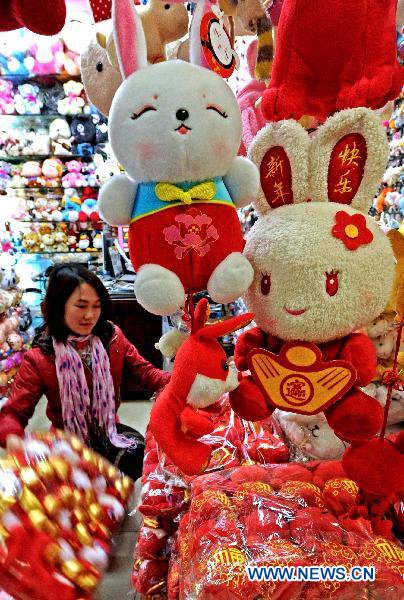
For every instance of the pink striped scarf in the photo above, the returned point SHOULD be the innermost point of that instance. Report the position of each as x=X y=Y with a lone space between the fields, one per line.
x=77 y=408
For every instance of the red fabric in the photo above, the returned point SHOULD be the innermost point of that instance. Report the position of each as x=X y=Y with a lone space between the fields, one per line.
x=37 y=376
x=47 y=18
x=376 y=466
x=331 y=55
x=147 y=243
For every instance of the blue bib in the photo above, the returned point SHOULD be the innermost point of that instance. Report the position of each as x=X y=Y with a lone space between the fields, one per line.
x=146 y=202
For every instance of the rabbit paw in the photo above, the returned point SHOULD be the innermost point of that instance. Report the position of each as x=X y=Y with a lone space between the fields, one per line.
x=231 y=278
x=159 y=290
x=355 y=418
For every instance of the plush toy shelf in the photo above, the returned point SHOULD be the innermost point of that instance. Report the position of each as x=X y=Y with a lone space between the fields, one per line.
x=92 y=251
x=59 y=187
x=29 y=157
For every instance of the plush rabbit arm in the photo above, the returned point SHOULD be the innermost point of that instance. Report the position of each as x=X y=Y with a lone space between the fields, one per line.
x=360 y=352
x=116 y=200
x=242 y=181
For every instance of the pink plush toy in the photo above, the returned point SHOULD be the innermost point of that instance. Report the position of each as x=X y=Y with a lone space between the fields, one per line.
x=74 y=176
x=46 y=56
x=247 y=97
x=7 y=105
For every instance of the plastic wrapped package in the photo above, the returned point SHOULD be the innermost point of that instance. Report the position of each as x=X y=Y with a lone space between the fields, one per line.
x=60 y=504
x=297 y=516
x=165 y=494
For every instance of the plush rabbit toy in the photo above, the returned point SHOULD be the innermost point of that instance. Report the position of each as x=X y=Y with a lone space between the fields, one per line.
x=322 y=270
x=176 y=129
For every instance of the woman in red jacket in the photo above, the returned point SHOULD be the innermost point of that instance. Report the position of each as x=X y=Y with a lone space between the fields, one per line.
x=77 y=363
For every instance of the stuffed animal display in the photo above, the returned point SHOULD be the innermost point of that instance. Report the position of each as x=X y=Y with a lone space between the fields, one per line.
x=53 y=238
x=184 y=234
x=162 y=23
x=201 y=375
x=315 y=263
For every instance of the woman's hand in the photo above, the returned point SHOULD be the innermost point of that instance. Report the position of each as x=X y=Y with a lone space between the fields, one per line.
x=14 y=442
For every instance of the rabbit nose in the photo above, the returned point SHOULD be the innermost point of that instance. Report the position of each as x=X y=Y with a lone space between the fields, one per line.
x=182 y=114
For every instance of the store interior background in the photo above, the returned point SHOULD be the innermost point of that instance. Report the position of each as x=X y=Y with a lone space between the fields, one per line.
x=108 y=259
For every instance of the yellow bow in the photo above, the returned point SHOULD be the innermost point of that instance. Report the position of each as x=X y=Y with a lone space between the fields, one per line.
x=167 y=192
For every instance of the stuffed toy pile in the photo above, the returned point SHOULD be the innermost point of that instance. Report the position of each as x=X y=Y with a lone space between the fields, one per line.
x=59 y=506
x=165 y=494
x=284 y=515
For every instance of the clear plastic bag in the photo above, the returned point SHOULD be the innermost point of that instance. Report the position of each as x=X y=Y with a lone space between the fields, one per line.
x=59 y=506
x=165 y=494
x=277 y=516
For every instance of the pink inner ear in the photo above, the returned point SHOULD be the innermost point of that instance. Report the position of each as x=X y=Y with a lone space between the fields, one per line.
x=346 y=168
x=126 y=38
x=276 y=177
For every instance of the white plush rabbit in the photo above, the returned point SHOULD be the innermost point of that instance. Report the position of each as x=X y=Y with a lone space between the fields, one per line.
x=176 y=129
x=322 y=267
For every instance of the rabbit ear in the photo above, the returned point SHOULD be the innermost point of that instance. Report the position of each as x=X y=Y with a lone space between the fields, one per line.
x=348 y=156
x=212 y=332
x=196 y=55
x=280 y=151
x=201 y=314
x=130 y=41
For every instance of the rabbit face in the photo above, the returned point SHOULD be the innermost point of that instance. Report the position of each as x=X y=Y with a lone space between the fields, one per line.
x=175 y=122
x=308 y=285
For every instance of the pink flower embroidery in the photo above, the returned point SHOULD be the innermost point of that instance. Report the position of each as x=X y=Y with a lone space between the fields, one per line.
x=193 y=232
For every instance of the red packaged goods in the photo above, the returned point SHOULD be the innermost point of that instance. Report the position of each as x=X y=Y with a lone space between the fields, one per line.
x=59 y=506
x=280 y=539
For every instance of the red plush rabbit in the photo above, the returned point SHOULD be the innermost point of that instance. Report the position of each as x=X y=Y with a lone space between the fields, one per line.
x=201 y=375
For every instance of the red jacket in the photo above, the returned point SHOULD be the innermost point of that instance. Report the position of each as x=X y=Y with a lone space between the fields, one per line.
x=37 y=376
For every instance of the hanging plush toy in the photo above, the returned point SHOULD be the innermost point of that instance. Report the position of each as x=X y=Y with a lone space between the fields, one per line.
x=331 y=55
x=46 y=17
x=176 y=129
x=322 y=270
x=200 y=376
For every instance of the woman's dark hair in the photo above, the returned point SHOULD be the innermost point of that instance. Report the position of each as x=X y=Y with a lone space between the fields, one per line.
x=63 y=280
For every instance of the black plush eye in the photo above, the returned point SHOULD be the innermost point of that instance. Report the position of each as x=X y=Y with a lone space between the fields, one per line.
x=220 y=112
x=99 y=66
x=167 y=6
x=142 y=112
x=225 y=365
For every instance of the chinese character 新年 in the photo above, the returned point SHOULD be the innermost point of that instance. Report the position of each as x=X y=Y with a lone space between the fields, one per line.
x=275 y=165
x=279 y=192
